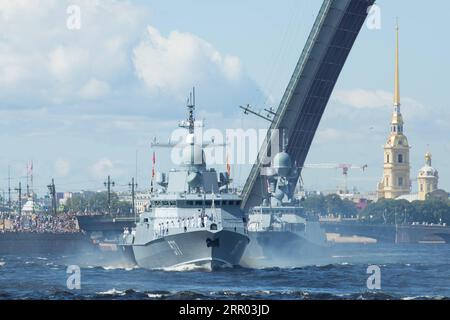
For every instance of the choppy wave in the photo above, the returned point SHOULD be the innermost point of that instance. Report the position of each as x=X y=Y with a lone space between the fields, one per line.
x=339 y=279
x=111 y=292
x=120 y=267
x=157 y=295
x=321 y=267
x=184 y=268
x=114 y=267
x=254 y=295
x=426 y=298
x=59 y=295
x=131 y=294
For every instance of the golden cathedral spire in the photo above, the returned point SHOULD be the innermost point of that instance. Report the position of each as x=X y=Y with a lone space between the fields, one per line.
x=397 y=72
x=396 y=169
x=397 y=119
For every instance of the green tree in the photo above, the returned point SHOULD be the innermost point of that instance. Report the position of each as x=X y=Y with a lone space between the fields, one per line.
x=330 y=204
x=97 y=203
x=315 y=204
x=402 y=211
x=77 y=203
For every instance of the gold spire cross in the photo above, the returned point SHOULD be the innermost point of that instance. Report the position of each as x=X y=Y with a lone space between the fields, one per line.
x=397 y=71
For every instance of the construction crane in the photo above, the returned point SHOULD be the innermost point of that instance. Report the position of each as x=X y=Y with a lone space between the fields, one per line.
x=345 y=167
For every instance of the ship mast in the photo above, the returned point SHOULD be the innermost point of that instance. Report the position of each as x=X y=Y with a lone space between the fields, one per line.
x=189 y=124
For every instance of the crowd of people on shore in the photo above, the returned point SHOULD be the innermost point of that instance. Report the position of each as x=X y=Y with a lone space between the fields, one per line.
x=40 y=223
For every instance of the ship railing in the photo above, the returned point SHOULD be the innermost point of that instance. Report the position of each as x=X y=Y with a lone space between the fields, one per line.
x=202 y=222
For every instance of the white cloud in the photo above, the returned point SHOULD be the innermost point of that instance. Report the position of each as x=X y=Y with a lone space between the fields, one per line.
x=108 y=60
x=103 y=168
x=177 y=62
x=232 y=67
x=58 y=66
x=63 y=61
x=95 y=89
x=10 y=10
x=62 y=167
x=11 y=72
x=328 y=135
x=361 y=99
x=124 y=124
x=87 y=89
x=13 y=68
x=345 y=135
x=377 y=99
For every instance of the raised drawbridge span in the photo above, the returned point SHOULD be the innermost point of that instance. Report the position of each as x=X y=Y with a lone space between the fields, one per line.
x=298 y=115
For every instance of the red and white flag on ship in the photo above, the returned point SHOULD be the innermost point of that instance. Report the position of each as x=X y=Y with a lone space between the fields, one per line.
x=153 y=171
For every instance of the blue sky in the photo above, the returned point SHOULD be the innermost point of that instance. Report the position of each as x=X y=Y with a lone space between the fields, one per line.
x=79 y=103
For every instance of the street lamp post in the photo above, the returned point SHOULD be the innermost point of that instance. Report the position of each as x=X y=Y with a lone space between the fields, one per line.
x=108 y=184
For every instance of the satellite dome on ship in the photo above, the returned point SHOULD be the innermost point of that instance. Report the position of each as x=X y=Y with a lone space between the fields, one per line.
x=282 y=163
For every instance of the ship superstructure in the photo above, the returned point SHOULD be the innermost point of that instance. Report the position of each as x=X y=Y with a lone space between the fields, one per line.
x=280 y=227
x=192 y=219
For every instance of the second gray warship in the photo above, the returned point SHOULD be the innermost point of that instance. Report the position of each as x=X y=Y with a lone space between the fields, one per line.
x=280 y=228
x=193 y=221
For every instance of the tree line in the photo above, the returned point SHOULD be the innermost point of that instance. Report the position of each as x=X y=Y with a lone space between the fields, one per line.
x=385 y=211
x=389 y=211
x=329 y=204
x=97 y=202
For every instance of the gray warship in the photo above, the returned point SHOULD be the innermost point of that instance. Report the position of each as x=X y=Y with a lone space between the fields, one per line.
x=192 y=220
x=280 y=228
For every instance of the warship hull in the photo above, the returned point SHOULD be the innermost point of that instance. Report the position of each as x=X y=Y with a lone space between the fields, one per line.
x=274 y=244
x=283 y=246
x=196 y=249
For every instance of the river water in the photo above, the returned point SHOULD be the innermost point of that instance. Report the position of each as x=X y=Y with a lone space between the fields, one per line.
x=406 y=272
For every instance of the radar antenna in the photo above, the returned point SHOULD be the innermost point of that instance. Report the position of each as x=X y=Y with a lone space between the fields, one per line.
x=189 y=124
